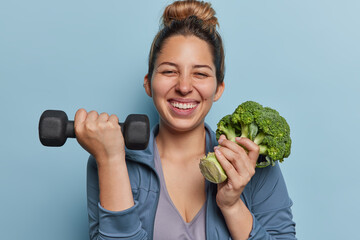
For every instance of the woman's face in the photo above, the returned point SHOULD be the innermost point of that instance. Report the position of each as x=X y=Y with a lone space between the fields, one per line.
x=183 y=85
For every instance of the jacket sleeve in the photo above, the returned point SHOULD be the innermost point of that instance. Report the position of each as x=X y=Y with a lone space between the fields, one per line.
x=271 y=206
x=105 y=224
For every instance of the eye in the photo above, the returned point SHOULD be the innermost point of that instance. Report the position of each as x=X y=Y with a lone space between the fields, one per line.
x=168 y=72
x=201 y=75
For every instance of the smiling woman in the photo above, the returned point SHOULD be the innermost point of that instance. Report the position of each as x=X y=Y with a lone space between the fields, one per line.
x=160 y=193
x=183 y=85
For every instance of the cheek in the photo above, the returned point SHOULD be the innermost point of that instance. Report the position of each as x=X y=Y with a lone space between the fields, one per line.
x=157 y=88
x=207 y=91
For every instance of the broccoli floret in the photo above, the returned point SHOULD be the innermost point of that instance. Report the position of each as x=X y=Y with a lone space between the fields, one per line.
x=263 y=125
x=226 y=127
x=266 y=128
x=244 y=117
x=276 y=143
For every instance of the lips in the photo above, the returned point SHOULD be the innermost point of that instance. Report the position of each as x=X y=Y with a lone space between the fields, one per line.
x=183 y=103
x=183 y=106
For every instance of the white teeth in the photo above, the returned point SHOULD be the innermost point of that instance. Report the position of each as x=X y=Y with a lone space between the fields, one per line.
x=183 y=105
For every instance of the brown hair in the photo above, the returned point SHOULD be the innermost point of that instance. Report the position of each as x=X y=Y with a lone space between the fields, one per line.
x=187 y=18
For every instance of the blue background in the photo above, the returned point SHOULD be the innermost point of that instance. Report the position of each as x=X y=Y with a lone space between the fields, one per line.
x=300 y=57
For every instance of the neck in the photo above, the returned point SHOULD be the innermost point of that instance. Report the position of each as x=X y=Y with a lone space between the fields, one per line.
x=181 y=145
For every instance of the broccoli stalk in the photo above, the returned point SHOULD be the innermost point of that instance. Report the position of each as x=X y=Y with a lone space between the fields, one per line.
x=211 y=168
x=259 y=138
x=263 y=125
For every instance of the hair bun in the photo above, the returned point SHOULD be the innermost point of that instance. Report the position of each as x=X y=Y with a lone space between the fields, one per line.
x=180 y=10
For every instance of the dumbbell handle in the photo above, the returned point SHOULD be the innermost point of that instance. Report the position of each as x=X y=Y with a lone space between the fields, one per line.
x=55 y=128
x=70 y=130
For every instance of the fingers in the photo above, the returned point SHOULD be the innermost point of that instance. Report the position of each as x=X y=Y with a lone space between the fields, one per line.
x=92 y=116
x=238 y=158
x=79 y=120
x=89 y=118
x=252 y=148
x=114 y=119
x=226 y=164
x=103 y=117
x=231 y=145
x=247 y=147
x=233 y=164
x=80 y=116
x=221 y=138
x=239 y=172
x=104 y=123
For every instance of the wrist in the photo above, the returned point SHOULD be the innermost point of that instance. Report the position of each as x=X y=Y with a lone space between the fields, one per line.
x=110 y=161
x=114 y=184
x=232 y=208
x=238 y=219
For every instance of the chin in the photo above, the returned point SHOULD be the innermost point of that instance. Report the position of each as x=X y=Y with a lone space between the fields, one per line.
x=183 y=125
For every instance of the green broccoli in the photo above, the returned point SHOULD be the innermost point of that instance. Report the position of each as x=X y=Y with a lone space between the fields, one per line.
x=244 y=117
x=226 y=127
x=263 y=125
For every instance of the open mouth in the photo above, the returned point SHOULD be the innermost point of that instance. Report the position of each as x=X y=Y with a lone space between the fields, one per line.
x=183 y=106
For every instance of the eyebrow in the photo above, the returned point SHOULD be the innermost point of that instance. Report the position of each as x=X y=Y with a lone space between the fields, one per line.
x=194 y=66
x=168 y=63
x=203 y=66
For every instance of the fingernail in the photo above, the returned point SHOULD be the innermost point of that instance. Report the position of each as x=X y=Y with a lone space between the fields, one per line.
x=218 y=152
x=238 y=138
x=216 y=147
x=220 y=140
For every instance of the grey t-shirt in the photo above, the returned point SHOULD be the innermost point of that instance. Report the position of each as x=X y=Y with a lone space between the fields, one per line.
x=168 y=222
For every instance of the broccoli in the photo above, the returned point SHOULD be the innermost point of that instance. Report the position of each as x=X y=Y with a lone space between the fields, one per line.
x=211 y=168
x=225 y=126
x=263 y=125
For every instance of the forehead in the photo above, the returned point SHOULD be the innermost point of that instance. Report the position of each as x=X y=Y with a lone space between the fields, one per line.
x=185 y=49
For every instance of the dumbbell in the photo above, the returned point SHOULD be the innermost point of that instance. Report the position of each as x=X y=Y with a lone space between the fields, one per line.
x=55 y=128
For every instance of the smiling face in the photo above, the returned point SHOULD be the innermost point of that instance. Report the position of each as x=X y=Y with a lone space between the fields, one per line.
x=183 y=84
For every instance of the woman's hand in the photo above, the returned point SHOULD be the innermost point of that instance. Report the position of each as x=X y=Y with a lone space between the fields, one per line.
x=100 y=135
x=239 y=165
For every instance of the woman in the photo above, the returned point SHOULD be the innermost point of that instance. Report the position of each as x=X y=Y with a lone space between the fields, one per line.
x=159 y=193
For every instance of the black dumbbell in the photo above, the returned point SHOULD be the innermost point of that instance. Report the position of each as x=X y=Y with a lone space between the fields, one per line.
x=55 y=128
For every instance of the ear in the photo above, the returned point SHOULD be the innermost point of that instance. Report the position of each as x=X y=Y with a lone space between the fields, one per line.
x=219 y=91
x=147 y=85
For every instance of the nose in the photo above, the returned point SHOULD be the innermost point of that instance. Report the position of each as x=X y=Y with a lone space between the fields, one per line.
x=184 y=85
